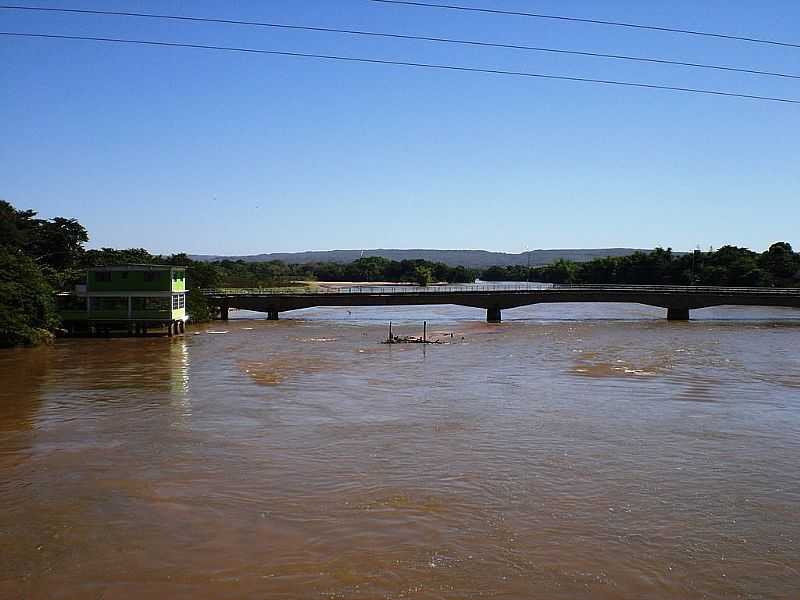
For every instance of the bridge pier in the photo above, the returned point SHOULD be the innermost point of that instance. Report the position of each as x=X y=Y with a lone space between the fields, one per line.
x=493 y=314
x=223 y=312
x=677 y=314
x=272 y=315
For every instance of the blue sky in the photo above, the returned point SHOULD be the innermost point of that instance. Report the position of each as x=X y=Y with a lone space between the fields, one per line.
x=209 y=152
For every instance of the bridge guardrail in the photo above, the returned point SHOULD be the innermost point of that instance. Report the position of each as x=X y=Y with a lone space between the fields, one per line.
x=497 y=288
x=369 y=289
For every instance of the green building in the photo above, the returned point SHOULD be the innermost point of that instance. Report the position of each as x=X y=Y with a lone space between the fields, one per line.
x=128 y=297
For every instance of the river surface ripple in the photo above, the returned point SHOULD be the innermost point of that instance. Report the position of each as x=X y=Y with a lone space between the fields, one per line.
x=561 y=455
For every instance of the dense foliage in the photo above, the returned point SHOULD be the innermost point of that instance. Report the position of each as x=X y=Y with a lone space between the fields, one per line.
x=242 y=274
x=779 y=266
x=27 y=307
x=376 y=268
x=37 y=256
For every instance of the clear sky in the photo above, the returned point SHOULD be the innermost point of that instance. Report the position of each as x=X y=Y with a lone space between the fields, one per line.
x=220 y=153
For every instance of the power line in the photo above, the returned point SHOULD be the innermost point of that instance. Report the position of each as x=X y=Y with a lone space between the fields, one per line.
x=403 y=37
x=515 y=13
x=377 y=61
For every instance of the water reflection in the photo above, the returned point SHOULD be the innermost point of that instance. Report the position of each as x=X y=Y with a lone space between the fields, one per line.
x=180 y=390
x=23 y=373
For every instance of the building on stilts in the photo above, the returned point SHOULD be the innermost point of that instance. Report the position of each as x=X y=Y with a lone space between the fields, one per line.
x=127 y=298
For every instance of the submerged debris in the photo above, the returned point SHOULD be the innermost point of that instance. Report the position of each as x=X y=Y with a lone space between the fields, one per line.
x=410 y=339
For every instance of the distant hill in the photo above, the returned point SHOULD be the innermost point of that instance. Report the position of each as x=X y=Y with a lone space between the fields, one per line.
x=454 y=258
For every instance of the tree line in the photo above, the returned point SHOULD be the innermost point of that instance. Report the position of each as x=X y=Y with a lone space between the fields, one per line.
x=39 y=257
x=779 y=266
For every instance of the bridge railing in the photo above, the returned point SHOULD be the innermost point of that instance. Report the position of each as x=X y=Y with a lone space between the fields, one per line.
x=497 y=288
x=376 y=289
x=702 y=289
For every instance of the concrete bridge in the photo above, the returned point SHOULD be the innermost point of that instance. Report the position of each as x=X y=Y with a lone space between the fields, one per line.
x=678 y=300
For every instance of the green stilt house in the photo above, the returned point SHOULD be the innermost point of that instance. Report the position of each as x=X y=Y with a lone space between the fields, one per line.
x=134 y=298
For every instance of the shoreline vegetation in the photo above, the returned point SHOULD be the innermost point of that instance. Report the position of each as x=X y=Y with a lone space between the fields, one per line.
x=40 y=257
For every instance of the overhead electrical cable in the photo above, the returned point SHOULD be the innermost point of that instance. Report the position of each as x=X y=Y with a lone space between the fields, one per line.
x=515 y=13
x=381 y=34
x=376 y=61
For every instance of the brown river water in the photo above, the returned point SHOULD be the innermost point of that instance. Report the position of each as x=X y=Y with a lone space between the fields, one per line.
x=575 y=451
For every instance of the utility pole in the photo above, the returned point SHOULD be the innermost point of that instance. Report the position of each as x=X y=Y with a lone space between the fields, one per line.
x=695 y=252
x=528 y=270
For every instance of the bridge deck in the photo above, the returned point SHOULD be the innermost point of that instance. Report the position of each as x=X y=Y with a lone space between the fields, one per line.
x=678 y=300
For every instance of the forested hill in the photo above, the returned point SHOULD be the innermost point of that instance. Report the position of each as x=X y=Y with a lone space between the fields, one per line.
x=452 y=258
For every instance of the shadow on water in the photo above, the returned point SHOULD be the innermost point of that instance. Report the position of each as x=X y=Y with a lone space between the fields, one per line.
x=23 y=373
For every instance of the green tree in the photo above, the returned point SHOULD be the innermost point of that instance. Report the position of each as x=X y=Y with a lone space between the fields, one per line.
x=780 y=262
x=111 y=256
x=57 y=243
x=27 y=304
x=561 y=271
x=15 y=225
x=368 y=268
x=495 y=274
x=423 y=275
